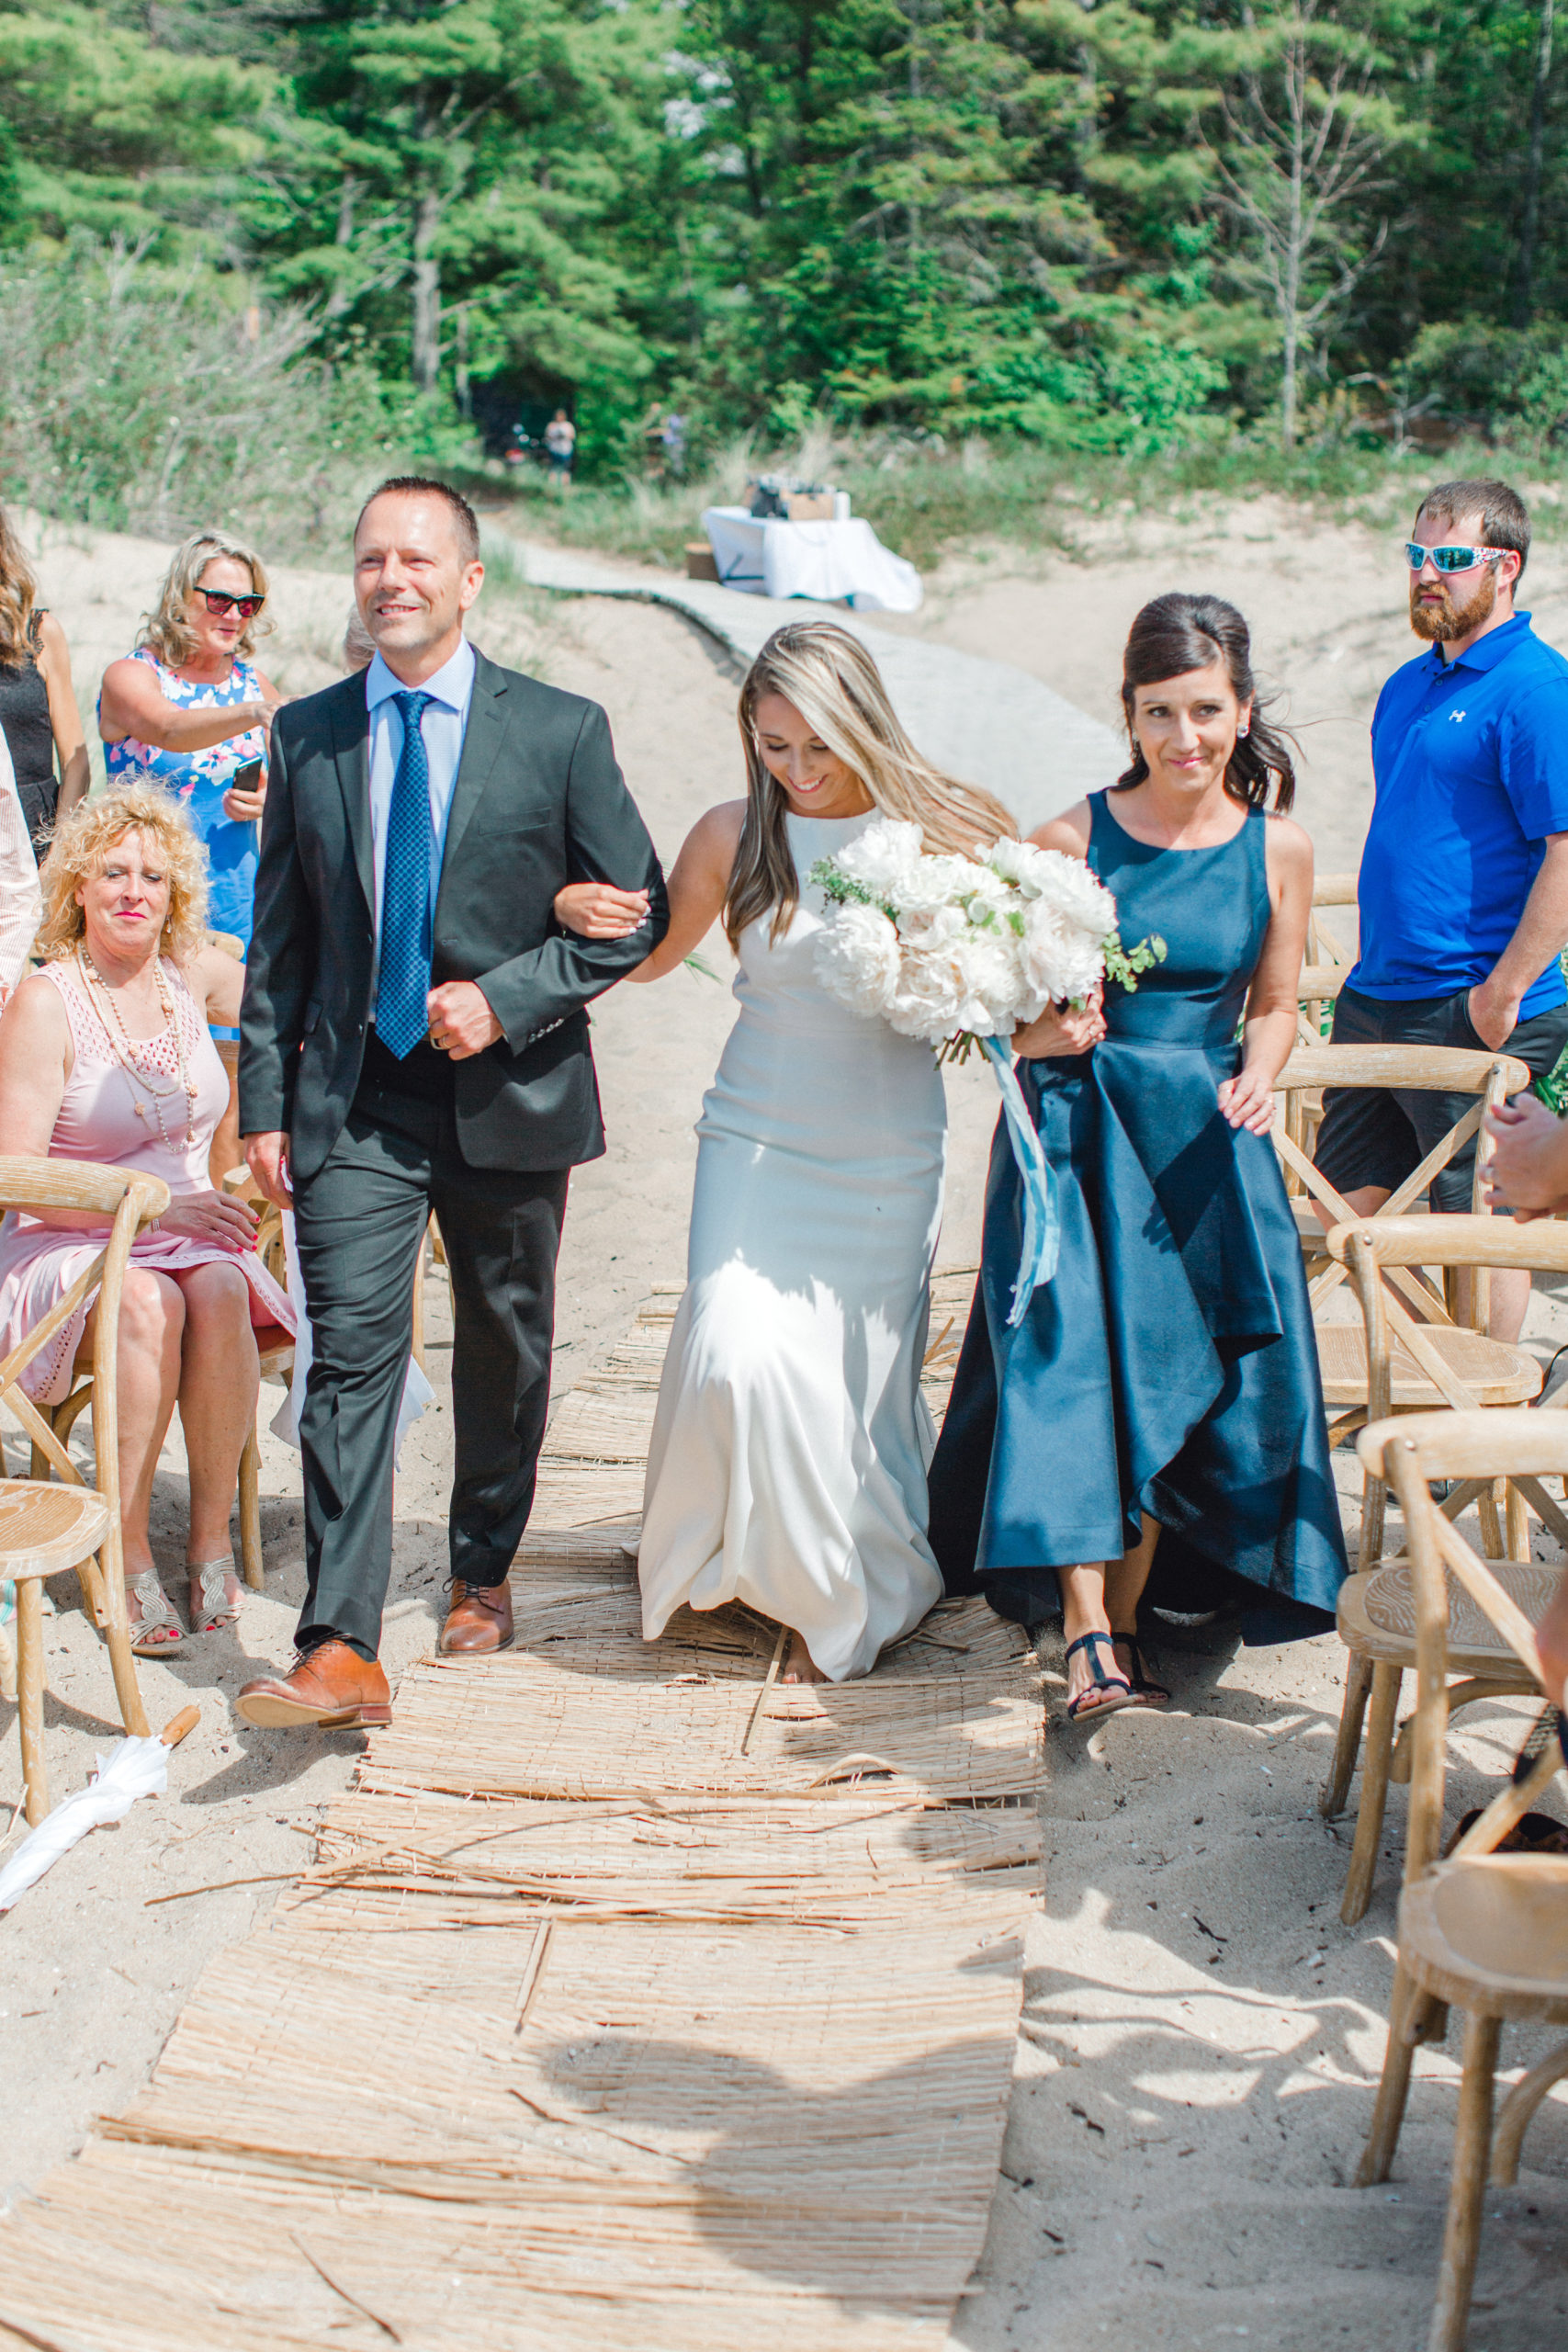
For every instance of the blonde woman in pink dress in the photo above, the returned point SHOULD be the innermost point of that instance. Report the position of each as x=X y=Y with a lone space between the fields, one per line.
x=106 y=1055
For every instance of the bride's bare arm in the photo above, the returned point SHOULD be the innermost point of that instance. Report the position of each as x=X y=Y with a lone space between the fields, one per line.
x=698 y=883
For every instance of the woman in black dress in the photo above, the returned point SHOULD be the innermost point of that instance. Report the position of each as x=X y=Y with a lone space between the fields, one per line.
x=38 y=706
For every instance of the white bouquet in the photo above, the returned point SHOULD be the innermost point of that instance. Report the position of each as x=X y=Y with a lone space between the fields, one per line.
x=955 y=949
x=951 y=948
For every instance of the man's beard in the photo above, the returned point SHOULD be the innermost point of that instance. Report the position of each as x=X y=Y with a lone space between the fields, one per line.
x=1442 y=624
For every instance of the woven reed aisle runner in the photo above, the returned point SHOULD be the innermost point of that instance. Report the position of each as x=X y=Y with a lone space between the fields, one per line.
x=632 y=2001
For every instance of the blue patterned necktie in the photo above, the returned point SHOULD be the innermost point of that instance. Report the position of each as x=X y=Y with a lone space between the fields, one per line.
x=404 y=984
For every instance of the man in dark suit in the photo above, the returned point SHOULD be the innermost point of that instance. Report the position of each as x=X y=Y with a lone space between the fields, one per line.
x=414 y=1038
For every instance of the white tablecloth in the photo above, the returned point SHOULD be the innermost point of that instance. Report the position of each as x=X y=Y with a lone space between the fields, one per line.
x=824 y=561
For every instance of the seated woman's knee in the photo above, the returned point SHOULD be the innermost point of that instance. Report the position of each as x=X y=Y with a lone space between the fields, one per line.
x=151 y=1310
x=217 y=1297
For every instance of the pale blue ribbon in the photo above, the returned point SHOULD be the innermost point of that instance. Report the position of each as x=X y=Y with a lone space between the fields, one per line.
x=1042 y=1226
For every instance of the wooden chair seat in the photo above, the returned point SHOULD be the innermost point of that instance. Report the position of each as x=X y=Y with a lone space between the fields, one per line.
x=275 y=1346
x=1491 y=1372
x=1490 y=1933
x=45 y=1528
x=1376 y=1616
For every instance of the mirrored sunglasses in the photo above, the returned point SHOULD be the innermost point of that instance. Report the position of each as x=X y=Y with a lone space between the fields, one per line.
x=219 y=601
x=1448 y=559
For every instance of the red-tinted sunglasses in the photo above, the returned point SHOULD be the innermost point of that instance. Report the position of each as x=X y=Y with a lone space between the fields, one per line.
x=219 y=601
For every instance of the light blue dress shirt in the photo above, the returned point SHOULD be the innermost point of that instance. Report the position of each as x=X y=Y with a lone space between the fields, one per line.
x=444 y=726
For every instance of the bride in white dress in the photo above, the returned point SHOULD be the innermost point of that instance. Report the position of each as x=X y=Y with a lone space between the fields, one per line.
x=787 y=1467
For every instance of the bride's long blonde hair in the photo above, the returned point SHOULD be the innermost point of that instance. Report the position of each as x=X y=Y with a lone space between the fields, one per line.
x=836 y=686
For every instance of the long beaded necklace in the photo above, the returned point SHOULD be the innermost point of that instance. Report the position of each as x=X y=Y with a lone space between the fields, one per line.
x=124 y=1046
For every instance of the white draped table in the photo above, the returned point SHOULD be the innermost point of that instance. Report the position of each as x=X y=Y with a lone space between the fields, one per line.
x=823 y=561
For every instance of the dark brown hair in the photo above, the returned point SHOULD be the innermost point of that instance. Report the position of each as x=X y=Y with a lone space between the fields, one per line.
x=1180 y=632
x=1504 y=517
x=465 y=521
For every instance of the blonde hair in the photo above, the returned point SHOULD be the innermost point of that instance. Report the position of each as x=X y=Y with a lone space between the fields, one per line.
x=18 y=595
x=82 y=842
x=165 y=631
x=836 y=687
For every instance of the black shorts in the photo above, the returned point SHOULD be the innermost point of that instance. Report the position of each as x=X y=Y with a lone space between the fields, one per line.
x=1381 y=1134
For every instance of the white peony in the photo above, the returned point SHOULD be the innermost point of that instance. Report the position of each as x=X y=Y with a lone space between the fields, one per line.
x=857 y=960
x=1079 y=897
x=1060 y=959
x=930 y=997
x=883 y=858
x=1018 y=863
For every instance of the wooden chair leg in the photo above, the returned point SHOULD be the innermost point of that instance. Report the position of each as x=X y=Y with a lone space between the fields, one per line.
x=250 y=1514
x=1376 y=1751
x=1491 y=1544
x=1472 y=2141
x=1348 y=1746
x=30 y=1696
x=116 y=1634
x=1517 y=1522
x=1404 y=2004
x=1513 y=2115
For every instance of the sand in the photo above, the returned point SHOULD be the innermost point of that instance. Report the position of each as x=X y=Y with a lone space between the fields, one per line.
x=1201 y=2035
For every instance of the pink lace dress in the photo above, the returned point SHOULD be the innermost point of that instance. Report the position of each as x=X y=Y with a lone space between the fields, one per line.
x=98 y=1120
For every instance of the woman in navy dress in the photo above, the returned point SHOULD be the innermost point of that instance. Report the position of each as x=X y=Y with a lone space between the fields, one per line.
x=1166 y=1378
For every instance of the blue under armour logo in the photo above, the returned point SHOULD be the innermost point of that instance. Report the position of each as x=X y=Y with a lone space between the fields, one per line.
x=1454 y=717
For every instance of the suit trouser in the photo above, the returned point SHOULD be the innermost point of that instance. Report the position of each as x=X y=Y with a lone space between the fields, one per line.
x=360 y=1221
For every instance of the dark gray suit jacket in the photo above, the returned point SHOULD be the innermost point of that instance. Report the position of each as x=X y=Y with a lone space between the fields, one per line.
x=539 y=801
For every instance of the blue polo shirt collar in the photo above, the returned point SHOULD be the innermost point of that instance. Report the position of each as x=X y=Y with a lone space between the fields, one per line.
x=1487 y=651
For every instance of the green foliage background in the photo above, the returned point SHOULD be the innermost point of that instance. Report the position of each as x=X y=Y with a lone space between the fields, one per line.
x=243 y=235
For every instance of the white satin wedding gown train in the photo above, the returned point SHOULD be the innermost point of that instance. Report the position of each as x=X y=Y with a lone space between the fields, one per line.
x=787 y=1467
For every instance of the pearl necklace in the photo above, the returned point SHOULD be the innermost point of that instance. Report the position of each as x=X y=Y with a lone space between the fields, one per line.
x=124 y=1047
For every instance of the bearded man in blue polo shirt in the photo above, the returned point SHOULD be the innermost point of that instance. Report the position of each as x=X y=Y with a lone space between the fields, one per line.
x=1463 y=887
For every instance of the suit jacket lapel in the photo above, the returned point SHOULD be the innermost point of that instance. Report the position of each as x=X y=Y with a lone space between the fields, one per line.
x=482 y=740
x=351 y=750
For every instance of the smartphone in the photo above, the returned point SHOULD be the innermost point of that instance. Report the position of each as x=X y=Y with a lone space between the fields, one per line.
x=247 y=778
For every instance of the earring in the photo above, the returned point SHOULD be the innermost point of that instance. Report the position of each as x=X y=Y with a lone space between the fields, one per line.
x=1246 y=728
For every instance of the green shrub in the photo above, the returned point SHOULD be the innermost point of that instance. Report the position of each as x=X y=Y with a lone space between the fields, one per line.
x=138 y=397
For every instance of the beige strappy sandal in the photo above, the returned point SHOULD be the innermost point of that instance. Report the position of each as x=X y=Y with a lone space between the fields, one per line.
x=157 y=1617
x=214 y=1610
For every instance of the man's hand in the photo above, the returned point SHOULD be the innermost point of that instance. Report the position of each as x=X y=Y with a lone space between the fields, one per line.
x=266 y=1157
x=1493 y=1016
x=461 y=1023
x=1528 y=1168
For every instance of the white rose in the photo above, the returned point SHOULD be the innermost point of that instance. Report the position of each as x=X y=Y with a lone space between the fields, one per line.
x=857 y=957
x=992 y=965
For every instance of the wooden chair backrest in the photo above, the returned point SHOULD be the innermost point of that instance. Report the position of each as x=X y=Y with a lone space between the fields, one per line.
x=1327 y=961
x=130 y=1203
x=1441 y=1069
x=1409 y=1454
x=1373 y=1249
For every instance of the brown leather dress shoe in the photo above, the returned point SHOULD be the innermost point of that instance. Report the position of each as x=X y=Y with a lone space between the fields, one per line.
x=331 y=1685
x=479 y=1620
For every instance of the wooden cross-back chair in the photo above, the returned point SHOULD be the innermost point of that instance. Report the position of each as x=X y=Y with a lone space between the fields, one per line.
x=1413 y=1367
x=1420 y=1069
x=1482 y=1931
x=50 y=1524
x=1328 y=961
